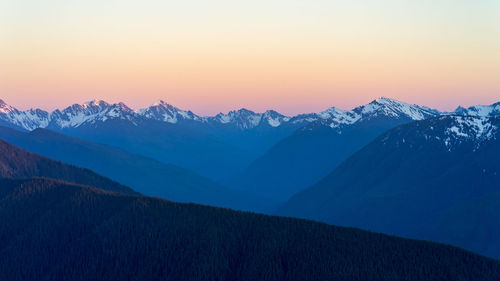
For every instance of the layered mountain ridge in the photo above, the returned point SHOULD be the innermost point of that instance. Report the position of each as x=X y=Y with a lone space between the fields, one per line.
x=241 y=148
x=145 y=175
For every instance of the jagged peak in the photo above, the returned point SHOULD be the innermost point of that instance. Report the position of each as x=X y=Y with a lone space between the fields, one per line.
x=122 y=106
x=162 y=111
x=5 y=108
x=159 y=103
x=333 y=109
x=395 y=108
x=390 y=102
x=162 y=103
x=271 y=112
x=243 y=111
x=479 y=110
x=95 y=105
x=95 y=102
x=386 y=100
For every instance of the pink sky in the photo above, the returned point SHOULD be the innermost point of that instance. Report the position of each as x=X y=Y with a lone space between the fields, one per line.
x=212 y=56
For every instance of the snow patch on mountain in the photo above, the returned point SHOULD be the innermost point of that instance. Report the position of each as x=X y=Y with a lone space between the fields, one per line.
x=339 y=117
x=479 y=128
x=472 y=129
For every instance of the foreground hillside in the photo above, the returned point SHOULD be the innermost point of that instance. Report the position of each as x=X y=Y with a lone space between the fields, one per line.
x=436 y=179
x=60 y=231
x=16 y=163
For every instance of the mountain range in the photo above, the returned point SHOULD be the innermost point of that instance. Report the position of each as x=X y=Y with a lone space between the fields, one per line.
x=96 y=111
x=435 y=179
x=268 y=154
x=237 y=138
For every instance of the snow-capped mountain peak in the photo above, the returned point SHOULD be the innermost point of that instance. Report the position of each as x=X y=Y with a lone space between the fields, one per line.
x=242 y=118
x=274 y=118
x=160 y=103
x=95 y=103
x=30 y=119
x=479 y=110
x=393 y=108
x=162 y=111
x=247 y=119
x=381 y=107
x=337 y=117
x=5 y=108
x=90 y=113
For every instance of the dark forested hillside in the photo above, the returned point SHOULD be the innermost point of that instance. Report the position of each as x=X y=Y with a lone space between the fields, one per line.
x=436 y=179
x=18 y=163
x=145 y=175
x=58 y=231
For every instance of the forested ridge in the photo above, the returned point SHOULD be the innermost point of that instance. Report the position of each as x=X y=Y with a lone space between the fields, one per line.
x=54 y=230
x=17 y=163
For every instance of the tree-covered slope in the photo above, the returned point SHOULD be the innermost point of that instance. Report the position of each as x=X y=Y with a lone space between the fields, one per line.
x=59 y=231
x=18 y=163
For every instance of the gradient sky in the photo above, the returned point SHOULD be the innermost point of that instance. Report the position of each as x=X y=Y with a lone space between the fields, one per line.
x=211 y=56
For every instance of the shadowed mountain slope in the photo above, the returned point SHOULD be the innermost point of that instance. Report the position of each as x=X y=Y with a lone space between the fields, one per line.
x=313 y=151
x=435 y=179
